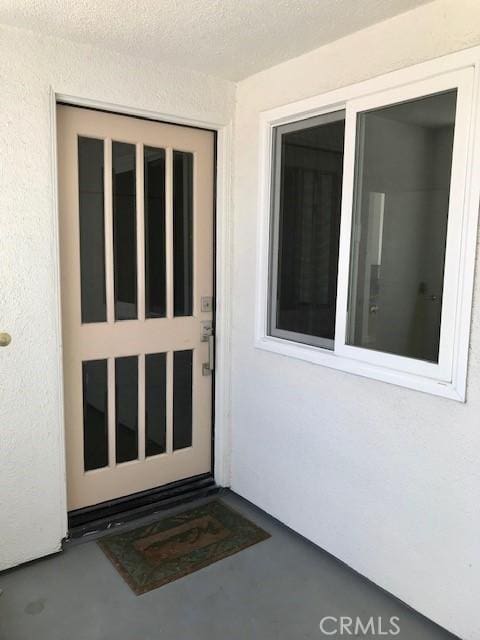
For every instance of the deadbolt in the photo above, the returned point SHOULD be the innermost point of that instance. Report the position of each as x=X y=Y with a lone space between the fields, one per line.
x=5 y=339
x=206 y=304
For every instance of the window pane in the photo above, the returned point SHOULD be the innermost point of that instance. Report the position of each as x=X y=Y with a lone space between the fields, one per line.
x=182 y=399
x=95 y=414
x=308 y=191
x=155 y=403
x=403 y=166
x=124 y=230
x=183 y=233
x=126 y=407
x=92 y=231
x=155 y=299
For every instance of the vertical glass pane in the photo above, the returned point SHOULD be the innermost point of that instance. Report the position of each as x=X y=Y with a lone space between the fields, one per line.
x=182 y=399
x=95 y=414
x=403 y=167
x=155 y=403
x=155 y=279
x=126 y=405
x=308 y=186
x=124 y=230
x=92 y=231
x=183 y=233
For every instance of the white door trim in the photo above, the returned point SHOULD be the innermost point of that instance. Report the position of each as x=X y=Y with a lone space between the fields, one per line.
x=223 y=275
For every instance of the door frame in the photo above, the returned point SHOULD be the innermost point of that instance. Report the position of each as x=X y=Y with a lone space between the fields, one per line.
x=221 y=432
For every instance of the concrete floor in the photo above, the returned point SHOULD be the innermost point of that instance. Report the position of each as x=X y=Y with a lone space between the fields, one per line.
x=278 y=589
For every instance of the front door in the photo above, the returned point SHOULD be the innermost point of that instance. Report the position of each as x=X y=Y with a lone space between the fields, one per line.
x=136 y=242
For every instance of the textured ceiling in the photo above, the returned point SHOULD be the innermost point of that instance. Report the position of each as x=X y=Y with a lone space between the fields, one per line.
x=231 y=39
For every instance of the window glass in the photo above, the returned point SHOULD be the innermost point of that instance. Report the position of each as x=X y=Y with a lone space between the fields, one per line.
x=306 y=225
x=402 y=187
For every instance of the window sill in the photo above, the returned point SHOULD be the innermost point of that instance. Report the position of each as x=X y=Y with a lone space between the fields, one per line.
x=332 y=360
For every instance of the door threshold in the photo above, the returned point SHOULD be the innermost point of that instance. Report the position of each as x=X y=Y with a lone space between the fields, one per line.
x=105 y=515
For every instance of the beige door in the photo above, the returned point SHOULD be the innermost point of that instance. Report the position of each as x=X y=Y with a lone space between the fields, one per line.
x=136 y=234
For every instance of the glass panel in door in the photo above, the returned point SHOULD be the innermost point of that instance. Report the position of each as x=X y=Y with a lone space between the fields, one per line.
x=183 y=232
x=155 y=403
x=182 y=399
x=126 y=408
x=124 y=230
x=155 y=247
x=95 y=414
x=92 y=236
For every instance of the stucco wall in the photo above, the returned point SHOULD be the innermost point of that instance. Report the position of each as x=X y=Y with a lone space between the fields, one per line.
x=384 y=478
x=32 y=486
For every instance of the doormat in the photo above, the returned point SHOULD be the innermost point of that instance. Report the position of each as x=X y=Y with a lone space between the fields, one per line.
x=158 y=553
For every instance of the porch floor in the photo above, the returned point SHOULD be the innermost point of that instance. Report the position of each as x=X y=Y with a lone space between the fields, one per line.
x=278 y=589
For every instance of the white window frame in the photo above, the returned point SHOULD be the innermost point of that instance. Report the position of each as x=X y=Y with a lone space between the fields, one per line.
x=448 y=377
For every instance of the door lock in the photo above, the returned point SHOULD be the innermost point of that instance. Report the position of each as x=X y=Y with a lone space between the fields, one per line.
x=207 y=330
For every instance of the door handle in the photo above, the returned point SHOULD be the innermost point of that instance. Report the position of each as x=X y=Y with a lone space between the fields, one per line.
x=209 y=366
x=5 y=339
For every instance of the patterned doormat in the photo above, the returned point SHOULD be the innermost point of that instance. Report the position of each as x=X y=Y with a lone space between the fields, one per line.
x=158 y=553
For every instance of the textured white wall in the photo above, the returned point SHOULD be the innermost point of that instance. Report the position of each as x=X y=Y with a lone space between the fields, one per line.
x=384 y=478
x=32 y=486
